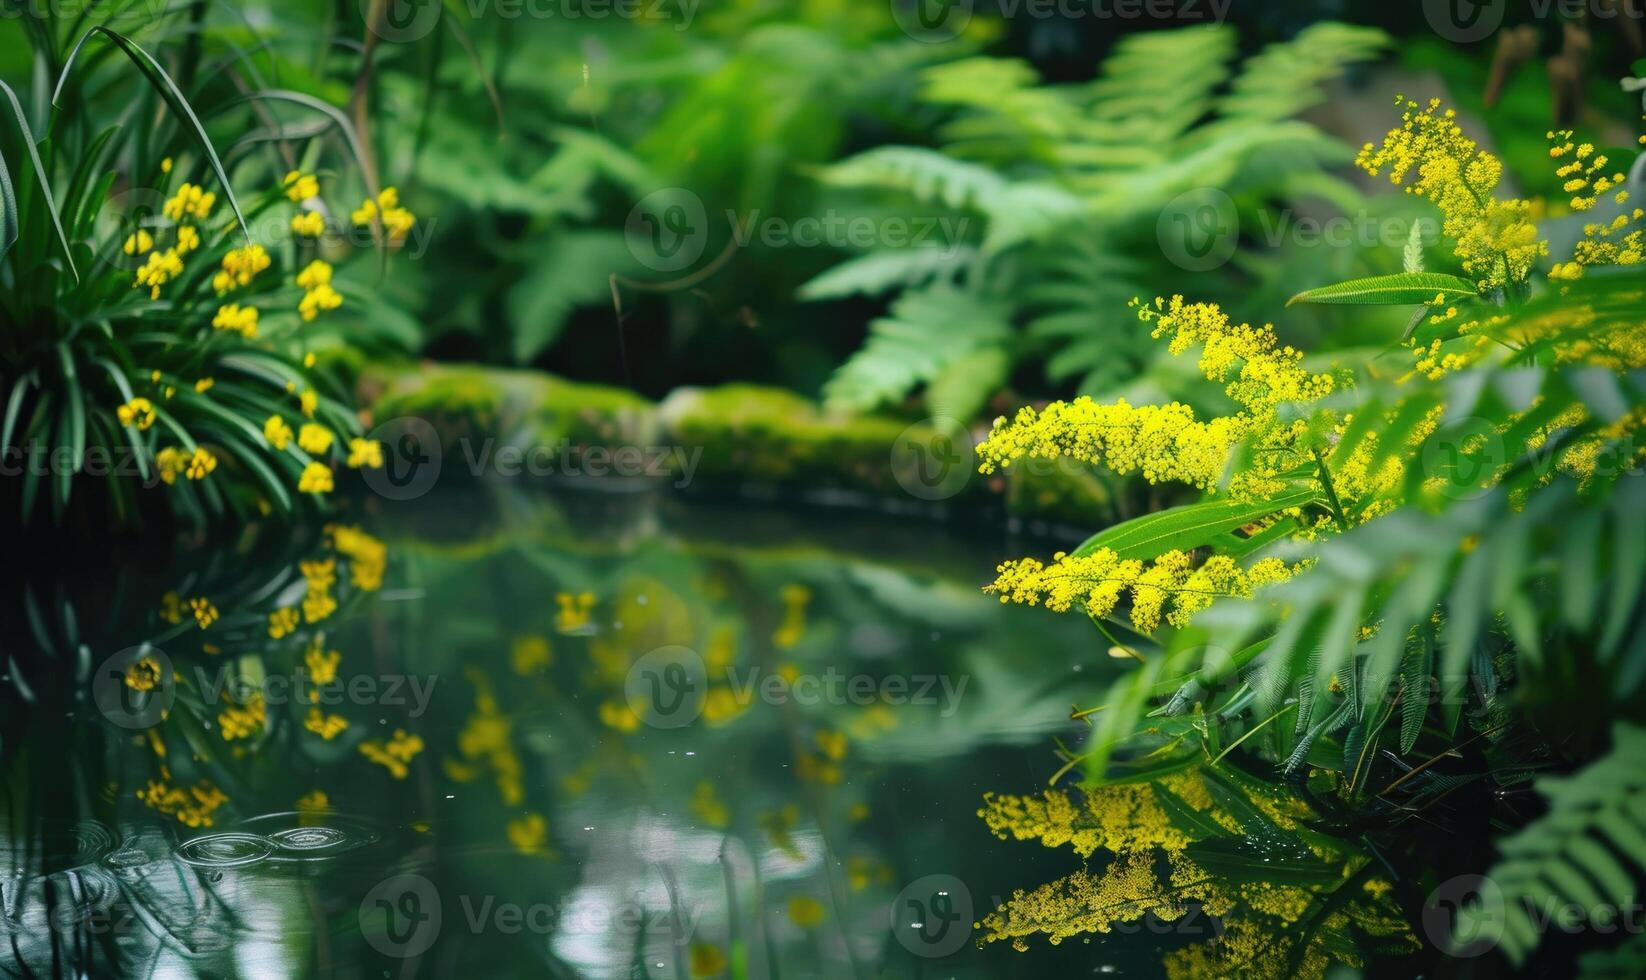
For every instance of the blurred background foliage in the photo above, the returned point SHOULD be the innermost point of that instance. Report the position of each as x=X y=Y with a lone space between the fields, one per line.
x=527 y=142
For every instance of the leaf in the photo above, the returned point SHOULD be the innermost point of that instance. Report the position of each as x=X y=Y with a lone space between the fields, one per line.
x=574 y=269
x=926 y=332
x=1397 y=289
x=173 y=97
x=8 y=203
x=1189 y=526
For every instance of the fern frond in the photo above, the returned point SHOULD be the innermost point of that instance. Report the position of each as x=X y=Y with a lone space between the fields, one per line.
x=1588 y=849
x=926 y=332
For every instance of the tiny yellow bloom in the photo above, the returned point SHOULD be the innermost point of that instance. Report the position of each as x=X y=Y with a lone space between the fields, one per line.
x=138 y=412
x=308 y=401
x=367 y=453
x=316 y=478
x=277 y=432
x=138 y=244
x=314 y=439
x=201 y=464
x=309 y=224
x=300 y=186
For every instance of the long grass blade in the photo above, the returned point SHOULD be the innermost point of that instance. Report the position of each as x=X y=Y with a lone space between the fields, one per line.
x=10 y=222
x=169 y=91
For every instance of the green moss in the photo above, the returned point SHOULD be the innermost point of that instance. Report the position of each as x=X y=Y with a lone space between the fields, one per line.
x=746 y=433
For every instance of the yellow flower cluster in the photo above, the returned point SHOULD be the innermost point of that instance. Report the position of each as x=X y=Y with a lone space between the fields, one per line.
x=192 y=806
x=204 y=612
x=144 y=675
x=318 y=294
x=158 y=269
x=1167 y=443
x=138 y=412
x=240 y=267
x=1098 y=582
x=315 y=439
x=484 y=741
x=282 y=622
x=309 y=224
x=243 y=720
x=241 y=319
x=301 y=186
x=575 y=611
x=794 y=597
x=172 y=461
x=529 y=833
x=277 y=432
x=394 y=754
x=315 y=478
x=397 y=221
x=367 y=556
x=138 y=243
x=189 y=202
x=326 y=726
x=1120 y=817
x=365 y=453
x=321 y=665
x=1496 y=240
x=1611 y=242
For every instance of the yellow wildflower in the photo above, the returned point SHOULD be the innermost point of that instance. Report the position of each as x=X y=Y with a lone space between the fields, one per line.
x=282 y=621
x=400 y=749
x=200 y=464
x=189 y=202
x=310 y=224
x=326 y=726
x=314 y=438
x=316 y=478
x=158 y=269
x=367 y=453
x=300 y=186
x=240 y=319
x=138 y=412
x=397 y=221
x=528 y=833
x=240 y=266
x=277 y=432
x=188 y=239
x=138 y=244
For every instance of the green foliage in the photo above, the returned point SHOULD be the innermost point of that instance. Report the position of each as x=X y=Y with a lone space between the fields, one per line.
x=111 y=390
x=1052 y=194
x=1585 y=851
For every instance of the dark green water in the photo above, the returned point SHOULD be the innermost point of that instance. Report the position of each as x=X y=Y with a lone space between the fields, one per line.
x=587 y=735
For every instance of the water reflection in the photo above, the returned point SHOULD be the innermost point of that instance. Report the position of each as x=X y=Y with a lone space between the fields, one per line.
x=505 y=735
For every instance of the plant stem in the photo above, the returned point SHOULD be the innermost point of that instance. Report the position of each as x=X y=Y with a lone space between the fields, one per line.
x=1331 y=492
